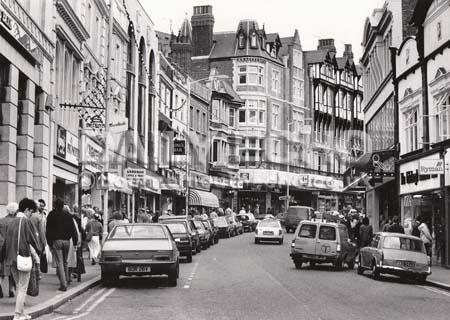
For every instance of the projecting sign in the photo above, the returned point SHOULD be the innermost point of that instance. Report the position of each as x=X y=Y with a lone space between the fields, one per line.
x=431 y=166
x=135 y=176
x=179 y=147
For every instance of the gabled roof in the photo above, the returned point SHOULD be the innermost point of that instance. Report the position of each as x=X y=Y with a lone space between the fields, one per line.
x=320 y=56
x=224 y=87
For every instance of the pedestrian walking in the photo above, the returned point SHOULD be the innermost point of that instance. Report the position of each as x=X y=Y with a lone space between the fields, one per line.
x=76 y=266
x=365 y=233
x=396 y=227
x=11 y=210
x=94 y=231
x=20 y=237
x=60 y=230
x=386 y=225
x=415 y=229
x=117 y=218
x=425 y=234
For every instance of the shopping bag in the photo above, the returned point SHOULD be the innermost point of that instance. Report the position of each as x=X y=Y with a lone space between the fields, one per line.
x=33 y=284
x=44 y=263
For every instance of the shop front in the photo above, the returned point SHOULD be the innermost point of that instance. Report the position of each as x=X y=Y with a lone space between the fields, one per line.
x=225 y=189
x=65 y=167
x=201 y=199
x=421 y=195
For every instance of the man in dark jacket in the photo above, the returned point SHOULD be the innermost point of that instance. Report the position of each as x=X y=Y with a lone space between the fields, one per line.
x=396 y=227
x=60 y=229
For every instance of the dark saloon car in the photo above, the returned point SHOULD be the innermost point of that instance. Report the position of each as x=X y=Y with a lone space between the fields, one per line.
x=139 y=249
x=205 y=234
x=248 y=221
x=183 y=239
x=225 y=229
x=191 y=228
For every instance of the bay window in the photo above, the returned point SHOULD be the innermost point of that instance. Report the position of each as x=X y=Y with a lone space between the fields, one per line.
x=251 y=74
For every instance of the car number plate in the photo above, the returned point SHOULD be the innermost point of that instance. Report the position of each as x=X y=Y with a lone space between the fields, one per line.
x=409 y=264
x=139 y=269
x=268 y=233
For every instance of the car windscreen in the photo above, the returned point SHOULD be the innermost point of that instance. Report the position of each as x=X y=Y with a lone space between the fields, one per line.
x=205 y=223
x=403 y=243
x=269 y=224
x=138 y=232
x=199 y=225
x=176 y=227
x=243 y=218
x=327 y=233
x=221 y=222
x=307 y=231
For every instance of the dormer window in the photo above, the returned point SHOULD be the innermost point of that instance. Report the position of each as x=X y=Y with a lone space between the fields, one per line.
x=241 y=41
x=253 y=42
x=268 y=47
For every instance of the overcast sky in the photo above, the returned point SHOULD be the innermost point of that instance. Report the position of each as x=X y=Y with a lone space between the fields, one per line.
x=342 y=20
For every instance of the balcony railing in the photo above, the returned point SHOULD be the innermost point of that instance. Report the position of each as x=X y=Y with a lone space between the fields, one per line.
x=283 y=167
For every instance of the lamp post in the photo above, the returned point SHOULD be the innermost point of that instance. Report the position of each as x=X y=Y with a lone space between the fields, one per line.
x=188 y=130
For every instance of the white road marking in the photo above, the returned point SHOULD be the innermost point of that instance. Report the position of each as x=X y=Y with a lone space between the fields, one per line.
x=77 y=310
x=445 y=293
x=102 y=298
x=191 y=276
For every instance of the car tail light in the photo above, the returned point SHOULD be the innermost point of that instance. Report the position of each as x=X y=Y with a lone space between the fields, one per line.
x=293 y=244
x=256 y=231
x=338 y=247
x=280 y=232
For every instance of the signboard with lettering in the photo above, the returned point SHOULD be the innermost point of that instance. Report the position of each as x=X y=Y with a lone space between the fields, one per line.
x=135 y=176
x=179 y=147
x=92 y=155
x=67 y=145
x=412 y=181
x=431 y=166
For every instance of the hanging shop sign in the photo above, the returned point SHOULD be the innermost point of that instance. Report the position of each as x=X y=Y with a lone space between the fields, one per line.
x=66 y=145
x=179 y=147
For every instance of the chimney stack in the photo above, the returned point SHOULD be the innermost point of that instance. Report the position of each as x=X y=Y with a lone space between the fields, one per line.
x=348 y=52
x=202 y=22
x=326 y=44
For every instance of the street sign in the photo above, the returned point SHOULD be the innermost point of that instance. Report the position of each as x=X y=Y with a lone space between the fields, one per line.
x=431 y=166
x=179 y=147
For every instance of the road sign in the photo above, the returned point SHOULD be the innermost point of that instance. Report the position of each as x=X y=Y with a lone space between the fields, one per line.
x=179 y=147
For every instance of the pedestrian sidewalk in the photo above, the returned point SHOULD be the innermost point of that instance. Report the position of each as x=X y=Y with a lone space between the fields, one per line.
x=49 y=297
x=440 y=277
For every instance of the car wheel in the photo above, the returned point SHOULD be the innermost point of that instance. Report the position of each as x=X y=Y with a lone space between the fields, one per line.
x=189 y=257
x=280 y=241
x=229 y=235
x=375 y=271
x=199 y=248
x=312 y=264
x=351 y=264
x=360 y=268
x=298 y=264
x=256 y=241
x=109 y=278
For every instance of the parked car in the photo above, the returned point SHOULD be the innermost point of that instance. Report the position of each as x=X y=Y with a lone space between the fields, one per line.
x=397 y=254
x=322 y=242
x=211 y=230
x=225 y=229
x=192 y=229
x=204 y=234
x=246 y=222
x=183 y=239
x=295 y=214
x=139 y=249
x=269 y=230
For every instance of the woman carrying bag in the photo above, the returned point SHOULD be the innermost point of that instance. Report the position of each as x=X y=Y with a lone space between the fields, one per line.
x=20 y=236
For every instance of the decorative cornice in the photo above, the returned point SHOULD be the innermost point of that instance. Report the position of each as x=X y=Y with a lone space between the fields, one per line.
x=103 y=8
x=71 y=19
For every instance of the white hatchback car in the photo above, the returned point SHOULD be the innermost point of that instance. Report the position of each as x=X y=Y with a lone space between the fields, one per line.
x=269 y=230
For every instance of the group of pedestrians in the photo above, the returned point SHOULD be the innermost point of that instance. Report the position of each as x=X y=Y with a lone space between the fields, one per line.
x=30 y=239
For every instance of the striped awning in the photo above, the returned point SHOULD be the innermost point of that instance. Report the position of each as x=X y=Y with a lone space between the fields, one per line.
x=203 y=199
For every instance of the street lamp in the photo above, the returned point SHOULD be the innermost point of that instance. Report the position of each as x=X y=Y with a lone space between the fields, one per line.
x=188 y=129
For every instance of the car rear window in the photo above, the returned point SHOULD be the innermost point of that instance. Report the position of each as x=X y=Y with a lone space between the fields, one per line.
x=199 y=225
x=401 y=243
x=176 y=227
x=269 y=224
x=327 y=233
x=307 y=231
x=221 y=222
x=138 y=232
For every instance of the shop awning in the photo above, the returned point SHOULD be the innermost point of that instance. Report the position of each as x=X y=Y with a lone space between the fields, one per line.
x=203 y=199
x=120 y=184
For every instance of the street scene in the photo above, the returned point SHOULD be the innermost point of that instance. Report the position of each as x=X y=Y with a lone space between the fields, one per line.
x=224 y=159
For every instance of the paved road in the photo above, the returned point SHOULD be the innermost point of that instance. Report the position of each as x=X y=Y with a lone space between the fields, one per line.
x=237 y=279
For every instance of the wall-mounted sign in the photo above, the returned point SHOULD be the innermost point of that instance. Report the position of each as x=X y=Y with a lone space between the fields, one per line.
x=135 y=176
x=67 y=145
x=92 y=155
x=431 y=166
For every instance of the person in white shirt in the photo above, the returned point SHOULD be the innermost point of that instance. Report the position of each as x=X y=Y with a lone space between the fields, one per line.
x=425 y=235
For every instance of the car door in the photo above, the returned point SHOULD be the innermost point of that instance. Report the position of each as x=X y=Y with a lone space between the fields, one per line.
x=326 y=244
x=367 y=254
x=305 y=240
